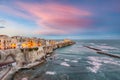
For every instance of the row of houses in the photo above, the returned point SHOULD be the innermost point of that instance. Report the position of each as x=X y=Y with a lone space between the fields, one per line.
x=7 y=42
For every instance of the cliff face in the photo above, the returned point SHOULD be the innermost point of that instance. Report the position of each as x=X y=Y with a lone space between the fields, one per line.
x=25 y=56
x=34 y=55
x=22 y=57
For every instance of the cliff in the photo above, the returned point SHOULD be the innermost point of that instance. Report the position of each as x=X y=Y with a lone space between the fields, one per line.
x=27 y=57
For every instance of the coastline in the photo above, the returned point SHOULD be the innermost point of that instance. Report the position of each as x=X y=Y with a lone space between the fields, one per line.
x=47 y=50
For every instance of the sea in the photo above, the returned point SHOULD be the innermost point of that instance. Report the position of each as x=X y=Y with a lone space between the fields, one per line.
x=77 y=62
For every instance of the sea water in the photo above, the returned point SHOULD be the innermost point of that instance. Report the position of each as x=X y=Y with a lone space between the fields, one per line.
x=78 y=63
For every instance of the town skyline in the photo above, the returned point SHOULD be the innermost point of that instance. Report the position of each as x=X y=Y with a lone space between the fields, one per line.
x=58 y=19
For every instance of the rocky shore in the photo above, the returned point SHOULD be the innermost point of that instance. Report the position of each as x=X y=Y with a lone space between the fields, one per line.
x=27 y=57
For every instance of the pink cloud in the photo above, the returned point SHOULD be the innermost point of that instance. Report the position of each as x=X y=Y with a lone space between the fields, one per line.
x=53 y=18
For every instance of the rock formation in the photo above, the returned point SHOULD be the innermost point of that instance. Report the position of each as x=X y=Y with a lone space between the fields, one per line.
x=25 y=56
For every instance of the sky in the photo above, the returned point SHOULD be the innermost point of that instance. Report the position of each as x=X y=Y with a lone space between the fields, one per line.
x=57 y=19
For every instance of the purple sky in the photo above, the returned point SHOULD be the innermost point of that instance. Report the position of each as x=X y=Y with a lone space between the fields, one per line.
x=79 y=19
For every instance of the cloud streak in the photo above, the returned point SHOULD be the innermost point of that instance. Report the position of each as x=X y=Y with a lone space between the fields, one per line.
x=14 y=11
x=53 y=18
x=2 y=21
x=60 y=17
x=2 y=27
x=57 y=18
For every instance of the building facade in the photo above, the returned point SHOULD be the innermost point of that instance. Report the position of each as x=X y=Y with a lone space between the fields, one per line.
x=14 y=42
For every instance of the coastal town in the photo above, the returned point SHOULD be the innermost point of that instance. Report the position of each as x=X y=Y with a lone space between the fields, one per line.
x=24 y=52
x=14 y=42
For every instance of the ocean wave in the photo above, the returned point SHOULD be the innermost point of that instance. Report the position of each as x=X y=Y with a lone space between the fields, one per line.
x=50 y=72
x=97 y=62
x=104 y=60
x=65 y=52
x=96 y=66
x=107 y=47
x=112 y=62
x=70 y=50
x=66 y=59
x=75 y=61
x=79 y=58
x=92 y=43
x=65 y=64
x=104 y=44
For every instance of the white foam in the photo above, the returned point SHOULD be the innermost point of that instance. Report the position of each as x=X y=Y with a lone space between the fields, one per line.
x=65 y=64
x=24 y=78
x=106 y=47
x=75 y=61
x=97 y=62
x=95 y=68
x=105 y=50
x=66 y=60
x=112 y=62
x=50 y=73
x=92 y=43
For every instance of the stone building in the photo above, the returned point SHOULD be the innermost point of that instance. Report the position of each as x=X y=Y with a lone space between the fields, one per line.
x=14 y=42
x=4 y=42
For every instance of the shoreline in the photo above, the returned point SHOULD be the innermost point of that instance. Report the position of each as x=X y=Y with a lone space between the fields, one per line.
x=48 y=50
